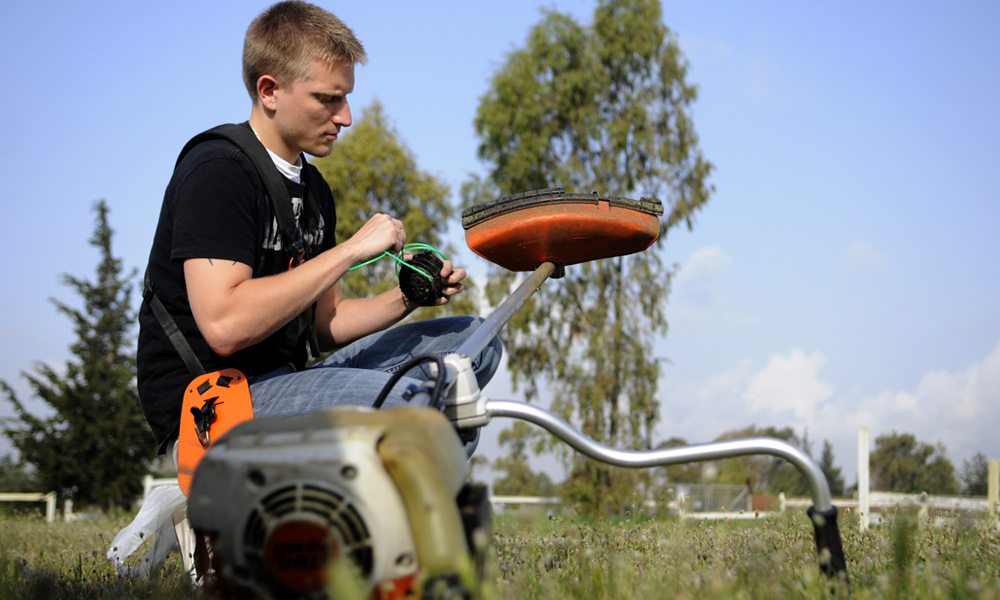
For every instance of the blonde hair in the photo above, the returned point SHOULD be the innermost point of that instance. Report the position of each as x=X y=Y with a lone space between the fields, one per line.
x=284 y=39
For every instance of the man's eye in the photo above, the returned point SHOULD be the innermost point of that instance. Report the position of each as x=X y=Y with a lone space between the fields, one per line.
x=329 y=99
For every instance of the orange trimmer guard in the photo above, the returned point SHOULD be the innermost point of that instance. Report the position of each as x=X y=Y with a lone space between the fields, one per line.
x=522 y=231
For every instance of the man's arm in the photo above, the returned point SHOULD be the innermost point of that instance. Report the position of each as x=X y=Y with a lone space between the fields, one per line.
x=340 y=320
x=234 y=310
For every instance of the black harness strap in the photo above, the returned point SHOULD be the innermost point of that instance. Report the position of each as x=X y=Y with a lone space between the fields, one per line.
x=177 y=339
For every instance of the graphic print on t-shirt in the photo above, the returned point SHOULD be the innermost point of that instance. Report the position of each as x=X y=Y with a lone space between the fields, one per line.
x=312 y=238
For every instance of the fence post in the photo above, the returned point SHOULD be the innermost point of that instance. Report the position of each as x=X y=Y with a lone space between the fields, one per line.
x=993 y=486
x=50 y=507
x=147 y=484
x=67 y=510
x=864 y=501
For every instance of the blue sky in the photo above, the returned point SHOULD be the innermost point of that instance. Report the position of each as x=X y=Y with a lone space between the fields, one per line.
x=843 y=274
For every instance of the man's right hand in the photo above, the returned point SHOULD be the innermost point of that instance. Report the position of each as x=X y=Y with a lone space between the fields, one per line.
x=378 y=234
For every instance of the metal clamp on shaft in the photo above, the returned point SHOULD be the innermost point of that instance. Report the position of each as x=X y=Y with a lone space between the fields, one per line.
x=464 y=403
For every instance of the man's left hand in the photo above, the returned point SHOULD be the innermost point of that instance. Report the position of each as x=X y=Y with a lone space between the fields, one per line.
x=452 y=279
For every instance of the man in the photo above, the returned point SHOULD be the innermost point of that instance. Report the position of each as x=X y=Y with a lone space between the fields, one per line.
x=241 y=294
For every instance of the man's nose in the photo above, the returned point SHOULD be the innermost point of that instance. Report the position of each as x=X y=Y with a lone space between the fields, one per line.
x=343 y=116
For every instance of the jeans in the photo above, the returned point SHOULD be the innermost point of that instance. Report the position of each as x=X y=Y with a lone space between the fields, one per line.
x=355 y=374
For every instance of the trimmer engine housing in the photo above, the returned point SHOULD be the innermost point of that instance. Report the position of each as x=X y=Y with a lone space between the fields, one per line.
x=280 y=500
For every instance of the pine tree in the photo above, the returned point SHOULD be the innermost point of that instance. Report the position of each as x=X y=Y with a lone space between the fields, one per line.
x=975 y=475
x=834 y=474
x=606 y=108
x=95 y=447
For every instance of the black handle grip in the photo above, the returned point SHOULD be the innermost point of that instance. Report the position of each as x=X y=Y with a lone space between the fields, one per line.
x=829 y=547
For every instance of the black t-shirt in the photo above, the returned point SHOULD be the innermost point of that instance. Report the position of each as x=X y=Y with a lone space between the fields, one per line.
x=215 y=207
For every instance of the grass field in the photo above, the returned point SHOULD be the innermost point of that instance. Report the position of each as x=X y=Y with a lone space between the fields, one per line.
x=551 y=558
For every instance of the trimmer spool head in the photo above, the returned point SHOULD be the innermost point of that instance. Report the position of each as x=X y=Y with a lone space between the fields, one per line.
x=522 y=231
x=418 y=287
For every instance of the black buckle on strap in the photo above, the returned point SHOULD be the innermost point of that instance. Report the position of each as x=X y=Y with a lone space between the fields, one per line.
x=203 y=419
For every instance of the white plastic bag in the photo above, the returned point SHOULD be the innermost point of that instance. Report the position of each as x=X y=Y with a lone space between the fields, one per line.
x=156 y=519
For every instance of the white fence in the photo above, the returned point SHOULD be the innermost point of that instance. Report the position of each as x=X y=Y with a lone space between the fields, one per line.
x=868 y=502
x=501 y=503
x=884 y=500
x=879 y=502
x=929 y=508
x=49 y=499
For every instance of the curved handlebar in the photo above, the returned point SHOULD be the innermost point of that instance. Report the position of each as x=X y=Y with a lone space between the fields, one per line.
x=822 y=500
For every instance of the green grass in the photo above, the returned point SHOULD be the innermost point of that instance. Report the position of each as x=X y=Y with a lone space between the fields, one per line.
x=67 y=560
x=773 y=558
x=551 y=558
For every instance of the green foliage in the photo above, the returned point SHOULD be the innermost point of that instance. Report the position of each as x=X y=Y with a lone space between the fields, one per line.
x=518 y=479
x=903 y=534
x=15 y=476
x=682 y=473
x=765 y=473
x=834 y=475
x=900 y=463
x=371 y=171
x=975 y=475
x=95 y=446
x=607 y=108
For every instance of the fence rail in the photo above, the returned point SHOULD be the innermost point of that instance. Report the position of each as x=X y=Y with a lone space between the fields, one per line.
x=49 y=499
x=879 y=500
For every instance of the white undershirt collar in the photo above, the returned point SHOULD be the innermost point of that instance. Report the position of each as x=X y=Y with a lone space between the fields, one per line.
x=289 y=170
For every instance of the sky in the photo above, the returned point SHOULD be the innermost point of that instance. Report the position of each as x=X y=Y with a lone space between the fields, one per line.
x=844 y=273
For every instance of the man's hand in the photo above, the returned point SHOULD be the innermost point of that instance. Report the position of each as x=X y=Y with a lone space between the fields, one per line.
x=378 y=234
x=452 y=279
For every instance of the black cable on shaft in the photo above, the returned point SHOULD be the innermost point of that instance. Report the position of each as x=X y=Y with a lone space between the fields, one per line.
x=406 y=367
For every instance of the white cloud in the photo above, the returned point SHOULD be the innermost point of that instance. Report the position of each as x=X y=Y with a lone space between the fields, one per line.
x=862 y=257
x=789 y=385
x=958 y=408
x=698 y=271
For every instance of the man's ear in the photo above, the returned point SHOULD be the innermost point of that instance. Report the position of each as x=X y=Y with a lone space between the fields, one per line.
x=266 y=87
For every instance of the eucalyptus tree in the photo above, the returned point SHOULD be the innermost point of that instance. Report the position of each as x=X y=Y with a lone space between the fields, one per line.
x=605 y=107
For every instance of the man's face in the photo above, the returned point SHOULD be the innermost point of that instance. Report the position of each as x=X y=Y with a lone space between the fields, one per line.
x=311 y=111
